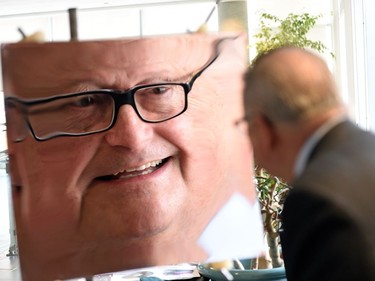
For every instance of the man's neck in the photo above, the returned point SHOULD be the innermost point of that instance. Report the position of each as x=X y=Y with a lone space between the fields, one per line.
x=312 y=140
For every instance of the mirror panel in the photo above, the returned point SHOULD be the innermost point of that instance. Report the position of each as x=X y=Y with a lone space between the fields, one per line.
x=139 y=194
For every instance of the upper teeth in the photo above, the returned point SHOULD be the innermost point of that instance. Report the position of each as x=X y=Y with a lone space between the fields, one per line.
x=143 y=167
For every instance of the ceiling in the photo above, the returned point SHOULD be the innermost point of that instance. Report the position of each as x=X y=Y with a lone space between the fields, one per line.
x=17 y=7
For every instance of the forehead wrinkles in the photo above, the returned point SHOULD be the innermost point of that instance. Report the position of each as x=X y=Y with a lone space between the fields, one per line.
x=129 y=63
x=60 y=68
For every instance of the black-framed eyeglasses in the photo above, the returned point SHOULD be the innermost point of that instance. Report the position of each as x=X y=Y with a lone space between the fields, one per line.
x=85 y=113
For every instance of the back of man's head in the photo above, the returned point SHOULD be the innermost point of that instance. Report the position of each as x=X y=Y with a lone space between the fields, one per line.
x=290 y=84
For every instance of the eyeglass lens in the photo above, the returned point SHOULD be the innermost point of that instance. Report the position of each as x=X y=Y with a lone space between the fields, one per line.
x=72 y=115
x=158 y=103
x=86 y=113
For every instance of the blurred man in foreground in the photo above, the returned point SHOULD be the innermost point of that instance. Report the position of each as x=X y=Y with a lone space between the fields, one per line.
x=300 y=131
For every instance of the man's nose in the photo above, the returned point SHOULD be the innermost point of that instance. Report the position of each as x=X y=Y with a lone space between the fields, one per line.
x=129 y=130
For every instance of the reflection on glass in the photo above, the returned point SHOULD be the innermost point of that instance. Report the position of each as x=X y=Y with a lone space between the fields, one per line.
x=149 y=171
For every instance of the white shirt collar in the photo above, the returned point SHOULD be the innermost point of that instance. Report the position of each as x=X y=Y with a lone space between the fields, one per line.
x=311 y=142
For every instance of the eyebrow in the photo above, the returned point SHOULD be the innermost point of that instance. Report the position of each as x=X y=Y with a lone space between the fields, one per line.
x=82 y=84
x=157 y=79
x=89 y=85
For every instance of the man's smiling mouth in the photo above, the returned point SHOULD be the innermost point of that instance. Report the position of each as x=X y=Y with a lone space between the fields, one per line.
x=145 y=169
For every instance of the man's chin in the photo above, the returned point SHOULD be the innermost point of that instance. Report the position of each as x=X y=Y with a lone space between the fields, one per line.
x=117 y=222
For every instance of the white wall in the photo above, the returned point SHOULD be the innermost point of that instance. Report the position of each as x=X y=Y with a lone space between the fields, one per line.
x=355 y=61
x=111 y=22
x=369 y=30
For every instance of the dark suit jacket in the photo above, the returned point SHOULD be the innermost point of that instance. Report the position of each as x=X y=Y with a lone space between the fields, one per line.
x=329 y=215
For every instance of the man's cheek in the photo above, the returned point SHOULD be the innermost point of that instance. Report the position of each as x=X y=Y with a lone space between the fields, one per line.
x=64 y=149
x=51 y=184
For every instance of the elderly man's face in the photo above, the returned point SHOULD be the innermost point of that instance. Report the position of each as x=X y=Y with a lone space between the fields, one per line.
x=146 y=189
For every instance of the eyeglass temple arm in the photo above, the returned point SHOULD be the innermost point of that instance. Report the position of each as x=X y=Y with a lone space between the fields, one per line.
x=217 y=53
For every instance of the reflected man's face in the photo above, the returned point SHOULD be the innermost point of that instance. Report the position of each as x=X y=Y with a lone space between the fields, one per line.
x=138 y=187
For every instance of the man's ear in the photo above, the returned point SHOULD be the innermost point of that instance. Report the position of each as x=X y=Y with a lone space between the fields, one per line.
x=267 y=133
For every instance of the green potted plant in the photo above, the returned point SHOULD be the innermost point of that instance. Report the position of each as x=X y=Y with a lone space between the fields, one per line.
x=291 y=31
x=272 y=192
